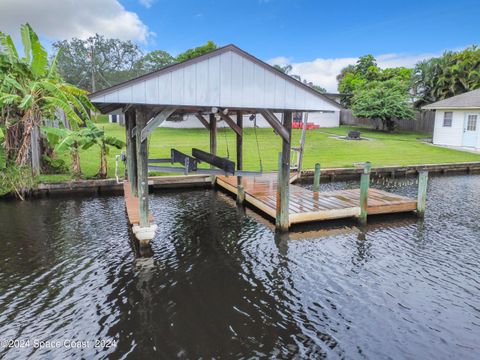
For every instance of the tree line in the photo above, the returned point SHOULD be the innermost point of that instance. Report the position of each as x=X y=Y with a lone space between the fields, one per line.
x=99 y=62
x=385 y=95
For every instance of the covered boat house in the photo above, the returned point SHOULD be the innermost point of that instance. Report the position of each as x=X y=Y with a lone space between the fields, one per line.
x=224 y=85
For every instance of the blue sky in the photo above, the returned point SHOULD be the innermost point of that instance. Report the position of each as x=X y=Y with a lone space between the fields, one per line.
x=305 y=29
x=317 y=37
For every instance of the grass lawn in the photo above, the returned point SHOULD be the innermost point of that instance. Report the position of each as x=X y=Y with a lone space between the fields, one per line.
x=402 y=148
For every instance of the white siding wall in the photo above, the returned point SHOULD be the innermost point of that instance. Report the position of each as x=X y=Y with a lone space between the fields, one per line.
x=452 y=136
x=224 y=80
x=325 y=120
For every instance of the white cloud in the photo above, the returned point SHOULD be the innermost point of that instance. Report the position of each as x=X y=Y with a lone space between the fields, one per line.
x=63 y=19
x=146 y=3
x=323 y=72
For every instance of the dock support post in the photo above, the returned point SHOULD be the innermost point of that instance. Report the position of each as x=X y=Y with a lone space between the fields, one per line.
x=213 y=139
x=131 y=151
x=302 y=144
x=364 y=185
x=240 y=190
x=282 y=222
x=422 y=192
x=316 y=178
x=144 y=231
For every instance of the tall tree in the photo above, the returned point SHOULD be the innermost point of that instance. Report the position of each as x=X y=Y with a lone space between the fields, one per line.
x=154 y=60
x=197 y=51
x=354 y=77
x=97 y=62
x=385 y=101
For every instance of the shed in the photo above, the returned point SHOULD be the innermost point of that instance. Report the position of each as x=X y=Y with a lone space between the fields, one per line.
x=222 y=85
x=457 y=120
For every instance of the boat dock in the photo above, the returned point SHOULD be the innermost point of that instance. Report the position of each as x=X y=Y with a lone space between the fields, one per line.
x=308 y=206
x=132 y=205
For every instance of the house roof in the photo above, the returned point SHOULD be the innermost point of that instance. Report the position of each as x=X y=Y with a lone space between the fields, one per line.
x=467 y=100
x=227 y=77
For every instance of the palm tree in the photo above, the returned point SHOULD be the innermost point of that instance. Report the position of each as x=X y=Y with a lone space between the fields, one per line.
x=30 y=91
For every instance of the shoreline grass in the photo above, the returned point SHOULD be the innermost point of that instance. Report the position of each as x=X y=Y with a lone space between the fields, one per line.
x=383 y=149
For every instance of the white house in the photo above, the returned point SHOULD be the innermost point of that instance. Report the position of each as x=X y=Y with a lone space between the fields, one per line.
x=457 y=120
x=322 y=119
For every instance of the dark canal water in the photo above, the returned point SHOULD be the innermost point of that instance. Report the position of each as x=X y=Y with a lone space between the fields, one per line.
x=221 y=284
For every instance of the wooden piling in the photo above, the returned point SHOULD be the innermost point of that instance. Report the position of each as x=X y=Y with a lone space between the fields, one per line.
x=364 y=186
x=240 y=193
x=131 y=151
x=422 y=192
x=316 y=178
x=213 y=134
x=282 y=218
x=213 y=140
x=142 y=168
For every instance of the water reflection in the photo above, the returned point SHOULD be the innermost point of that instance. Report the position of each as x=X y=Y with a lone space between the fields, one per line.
x=222 y=283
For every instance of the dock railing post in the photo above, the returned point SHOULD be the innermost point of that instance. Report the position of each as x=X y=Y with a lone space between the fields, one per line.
x=316 y=178
x=364 y=186
x=422 y=193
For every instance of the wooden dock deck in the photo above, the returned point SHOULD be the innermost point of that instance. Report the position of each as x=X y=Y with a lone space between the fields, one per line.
x=309 y=206
x=132 y=206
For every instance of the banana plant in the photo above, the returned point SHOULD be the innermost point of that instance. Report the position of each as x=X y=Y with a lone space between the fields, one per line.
x=32 y=90
x=83 y=139
x=72 y=140
x=96 y=136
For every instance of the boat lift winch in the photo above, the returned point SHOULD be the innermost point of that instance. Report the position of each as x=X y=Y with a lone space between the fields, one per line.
x=223 y=166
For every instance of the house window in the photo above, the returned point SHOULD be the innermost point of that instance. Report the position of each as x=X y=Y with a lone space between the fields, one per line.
x=447 y=119
x=472 y=123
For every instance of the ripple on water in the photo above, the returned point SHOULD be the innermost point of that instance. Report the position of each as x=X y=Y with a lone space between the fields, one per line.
x=222 y=284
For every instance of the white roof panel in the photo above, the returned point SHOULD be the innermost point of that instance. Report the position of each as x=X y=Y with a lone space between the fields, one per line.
x=227 y=77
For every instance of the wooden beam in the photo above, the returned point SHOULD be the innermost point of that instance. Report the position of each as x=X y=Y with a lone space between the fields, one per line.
x=155 y=122
x=240 y=190
x=203 y=121
x=276 y=124
x=131 y=151
x=240 y=141
x=142 y=168
x=231 y=123
x=213 y=135
x=283 y=201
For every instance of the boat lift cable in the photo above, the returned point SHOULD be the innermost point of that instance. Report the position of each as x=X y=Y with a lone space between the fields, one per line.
x=226 y=140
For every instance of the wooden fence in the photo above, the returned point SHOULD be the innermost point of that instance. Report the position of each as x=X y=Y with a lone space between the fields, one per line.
x=424 y=121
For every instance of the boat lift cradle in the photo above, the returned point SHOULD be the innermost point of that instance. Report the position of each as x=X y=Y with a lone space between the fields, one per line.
x=223 y=166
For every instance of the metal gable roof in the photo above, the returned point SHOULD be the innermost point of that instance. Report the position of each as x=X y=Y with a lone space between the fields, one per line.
x=226 y=77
